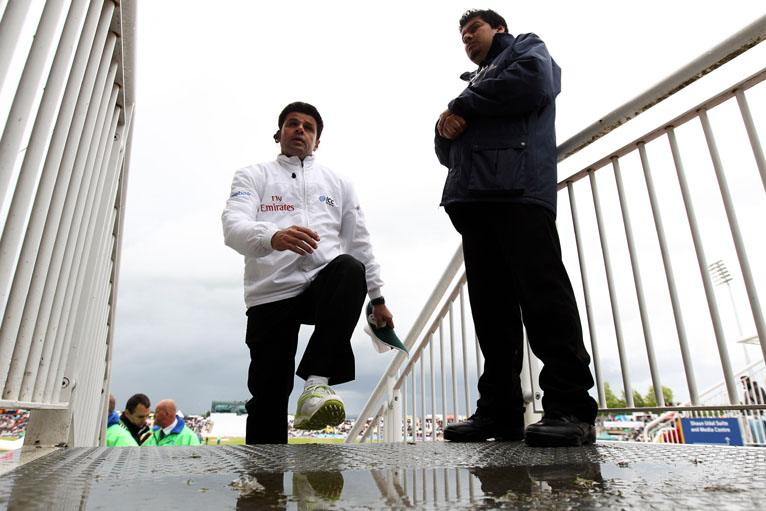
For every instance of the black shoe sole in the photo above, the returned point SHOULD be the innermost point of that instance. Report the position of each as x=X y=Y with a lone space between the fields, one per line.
x=534 y=439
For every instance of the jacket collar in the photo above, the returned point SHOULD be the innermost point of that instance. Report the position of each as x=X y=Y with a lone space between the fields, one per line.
x=179 y=426
x=500 y=41
x=113 y=419
x=134 y=430
x=293 y=162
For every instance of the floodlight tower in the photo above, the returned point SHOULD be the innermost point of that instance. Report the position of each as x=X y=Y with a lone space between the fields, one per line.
x=721 y=277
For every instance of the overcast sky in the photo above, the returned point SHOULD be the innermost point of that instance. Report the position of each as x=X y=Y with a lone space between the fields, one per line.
x=211 y=80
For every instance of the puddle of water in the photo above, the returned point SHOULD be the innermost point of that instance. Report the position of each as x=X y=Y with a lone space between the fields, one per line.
x=573 y=486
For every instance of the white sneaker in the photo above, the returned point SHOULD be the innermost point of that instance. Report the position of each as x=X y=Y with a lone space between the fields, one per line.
x=318 y=407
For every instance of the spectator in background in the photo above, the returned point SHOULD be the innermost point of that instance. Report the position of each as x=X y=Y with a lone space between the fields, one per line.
x=117 y=435
x=754 y=393
x=169 y=428
x=135 y=415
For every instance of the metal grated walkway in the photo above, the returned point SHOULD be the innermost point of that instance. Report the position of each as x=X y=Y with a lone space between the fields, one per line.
x=384 y=476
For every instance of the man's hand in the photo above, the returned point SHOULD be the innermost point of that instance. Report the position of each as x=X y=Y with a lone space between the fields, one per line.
x=450 y=126
x=296 y=238
x=382 y=315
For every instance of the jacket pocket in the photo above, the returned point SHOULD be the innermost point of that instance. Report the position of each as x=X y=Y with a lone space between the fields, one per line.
x=498 y=171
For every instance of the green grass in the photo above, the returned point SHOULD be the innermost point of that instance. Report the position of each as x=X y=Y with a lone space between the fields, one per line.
x=315 y=440
x=241 y=441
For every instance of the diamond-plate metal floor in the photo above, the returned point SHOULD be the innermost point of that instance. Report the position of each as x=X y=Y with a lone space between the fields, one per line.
x=384 y=476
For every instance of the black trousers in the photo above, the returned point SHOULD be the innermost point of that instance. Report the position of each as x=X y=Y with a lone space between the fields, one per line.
x=332 y=303
x=516 y=279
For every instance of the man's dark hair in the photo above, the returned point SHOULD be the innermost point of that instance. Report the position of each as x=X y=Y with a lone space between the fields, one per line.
x=489 y=16
x=135 y=400
x=302 y=108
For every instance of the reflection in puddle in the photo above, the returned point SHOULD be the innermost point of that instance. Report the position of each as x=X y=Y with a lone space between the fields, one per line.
x=487 y=487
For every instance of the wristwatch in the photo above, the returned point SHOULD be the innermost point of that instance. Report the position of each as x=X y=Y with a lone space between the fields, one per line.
x=378 y=301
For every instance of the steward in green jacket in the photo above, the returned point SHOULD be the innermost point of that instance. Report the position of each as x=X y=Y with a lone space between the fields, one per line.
x=169 y=428
x=117 y=435
x=181 y=434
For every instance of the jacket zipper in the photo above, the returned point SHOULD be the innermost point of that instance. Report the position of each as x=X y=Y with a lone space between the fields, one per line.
x=305 y=197
x=305 y=208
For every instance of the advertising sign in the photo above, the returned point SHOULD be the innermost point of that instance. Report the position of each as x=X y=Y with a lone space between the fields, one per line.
x=711 y=430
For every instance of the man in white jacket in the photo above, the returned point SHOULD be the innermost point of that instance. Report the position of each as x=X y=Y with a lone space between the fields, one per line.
x=308 y=260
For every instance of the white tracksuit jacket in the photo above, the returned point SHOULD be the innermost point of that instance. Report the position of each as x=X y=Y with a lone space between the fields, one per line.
x=270 y=196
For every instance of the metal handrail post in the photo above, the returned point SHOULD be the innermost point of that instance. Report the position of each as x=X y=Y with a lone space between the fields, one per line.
x=14 y=227
x=75 y=156
x=453 y=374
x=433 y=390
x=419 y=325
x=612 y=293
x=56 y=171
x=586 y=294
x=116 y=163
x=10 y=27
x=23 y=348
x=396 y=422
x=83 y=257
x=699 y=250
x=75 y=256
x=403 y=390
x=736 y=234
x=21 y=108
x=464 y=343
x=691 y=381
x=752 y=134
x=388 y=419
x=443 y=375
x=656 y=380
x=423 y=394
x=118 y=227
x=64 y=235
x=414 y=406
x=368 y=431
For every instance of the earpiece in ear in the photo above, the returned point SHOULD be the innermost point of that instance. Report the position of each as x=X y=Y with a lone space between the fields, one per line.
x=276 y=136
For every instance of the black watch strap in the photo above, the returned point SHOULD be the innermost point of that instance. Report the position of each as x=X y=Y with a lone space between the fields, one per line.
x=378 y=301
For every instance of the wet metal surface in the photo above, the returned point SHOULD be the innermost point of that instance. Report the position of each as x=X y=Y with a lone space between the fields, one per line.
x=392 y=476
x=10 y=460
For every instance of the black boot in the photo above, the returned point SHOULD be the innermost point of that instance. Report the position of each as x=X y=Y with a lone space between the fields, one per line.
x=478 y=428
x=556 y=430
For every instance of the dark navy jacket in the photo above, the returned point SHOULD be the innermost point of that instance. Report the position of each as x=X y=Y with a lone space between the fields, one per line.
x=508 y=151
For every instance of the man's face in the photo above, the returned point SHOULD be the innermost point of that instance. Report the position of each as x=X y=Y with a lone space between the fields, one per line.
x=477 y=37
x=139 y=415
x=298 y=135
x=163 y=418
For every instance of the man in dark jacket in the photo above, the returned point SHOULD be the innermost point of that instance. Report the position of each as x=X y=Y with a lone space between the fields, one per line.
x=135 y=415
x=497 y=139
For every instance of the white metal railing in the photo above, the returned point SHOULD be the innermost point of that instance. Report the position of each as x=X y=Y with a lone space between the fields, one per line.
x=66 y=114
x=405 y=403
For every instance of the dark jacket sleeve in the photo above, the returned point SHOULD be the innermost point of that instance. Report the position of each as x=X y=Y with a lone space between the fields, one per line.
x=442 y=146
x=524 y=85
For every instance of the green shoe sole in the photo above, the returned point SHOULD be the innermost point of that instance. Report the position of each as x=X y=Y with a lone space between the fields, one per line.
x=331 y=413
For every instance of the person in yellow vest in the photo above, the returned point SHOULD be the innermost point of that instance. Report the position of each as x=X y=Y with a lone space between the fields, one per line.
x=117 y=435
x=169 y=428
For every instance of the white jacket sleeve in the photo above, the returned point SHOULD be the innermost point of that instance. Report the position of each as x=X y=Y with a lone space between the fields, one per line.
x=355 y=239
x=241 y=231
